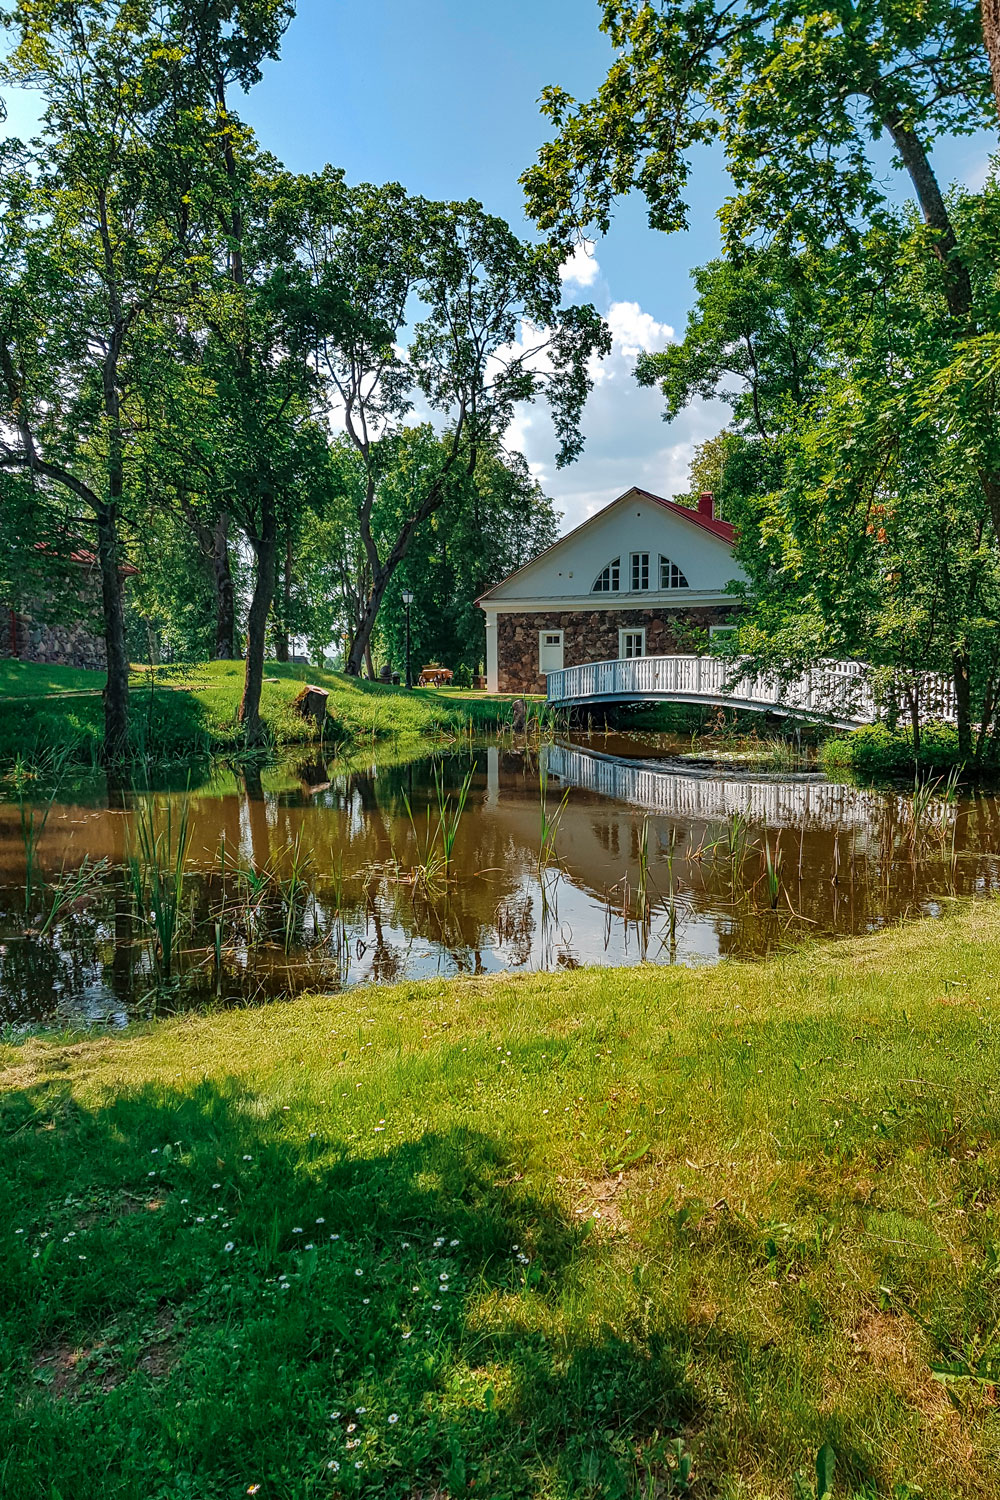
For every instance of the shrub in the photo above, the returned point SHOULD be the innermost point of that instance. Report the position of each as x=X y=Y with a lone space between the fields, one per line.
x=876 y=751
x=463 y=676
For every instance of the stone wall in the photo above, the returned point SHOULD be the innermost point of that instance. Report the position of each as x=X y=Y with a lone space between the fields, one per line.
x=592 y=635
x=69 y=645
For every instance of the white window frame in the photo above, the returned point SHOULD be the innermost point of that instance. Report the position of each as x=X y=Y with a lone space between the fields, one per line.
x=634 y=566
x=615 y=565
x=543 y=641
x=714 y=630
x=666 y=564
x=625 y=630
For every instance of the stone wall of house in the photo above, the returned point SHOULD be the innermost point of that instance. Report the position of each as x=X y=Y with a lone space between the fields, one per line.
x=68 y=645
x=593 y=636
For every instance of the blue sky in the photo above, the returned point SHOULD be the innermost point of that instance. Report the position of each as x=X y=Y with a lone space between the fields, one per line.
x=441 y=95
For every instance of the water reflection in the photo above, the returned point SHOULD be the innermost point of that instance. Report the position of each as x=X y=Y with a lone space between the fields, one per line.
x=314 y=875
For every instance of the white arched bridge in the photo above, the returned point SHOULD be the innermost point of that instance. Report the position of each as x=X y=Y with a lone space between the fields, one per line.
x=839 y=693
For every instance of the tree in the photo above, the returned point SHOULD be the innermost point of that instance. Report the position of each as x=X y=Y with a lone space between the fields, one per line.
x=459 y=290
x=253 y=355
x=498 y=520
x=991 y=36
x=104 y=215
x=862 y=523
x=799 y=102
x=97 y=226
x=754 y=339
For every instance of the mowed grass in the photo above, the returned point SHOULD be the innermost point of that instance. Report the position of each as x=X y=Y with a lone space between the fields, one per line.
x=182 y=710
x=519 y=1237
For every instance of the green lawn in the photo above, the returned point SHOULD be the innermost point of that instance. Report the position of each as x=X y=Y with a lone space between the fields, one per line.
x=193 y=708
x=519 y=1237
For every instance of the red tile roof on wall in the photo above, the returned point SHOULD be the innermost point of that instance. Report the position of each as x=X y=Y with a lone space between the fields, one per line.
x=85 y=558
x=724 y=530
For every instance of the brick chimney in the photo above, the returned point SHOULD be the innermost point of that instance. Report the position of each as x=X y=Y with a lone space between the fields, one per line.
x=706 y=505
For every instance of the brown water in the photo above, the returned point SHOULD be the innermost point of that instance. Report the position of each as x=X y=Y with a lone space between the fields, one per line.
x=314 y=875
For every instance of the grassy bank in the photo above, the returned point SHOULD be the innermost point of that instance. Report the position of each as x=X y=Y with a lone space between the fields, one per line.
x=192 y=709
x=553 y=1236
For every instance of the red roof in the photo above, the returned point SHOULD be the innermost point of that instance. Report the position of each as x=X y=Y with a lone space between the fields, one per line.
x=724 y=530
x=85 y=558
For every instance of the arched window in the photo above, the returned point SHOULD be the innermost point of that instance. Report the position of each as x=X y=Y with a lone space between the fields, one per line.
x=608 y=581
x=671 y=576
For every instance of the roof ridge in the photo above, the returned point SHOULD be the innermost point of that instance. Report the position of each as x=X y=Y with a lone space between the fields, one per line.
x=723 y=530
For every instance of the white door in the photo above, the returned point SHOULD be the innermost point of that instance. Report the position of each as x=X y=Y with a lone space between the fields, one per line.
x=550 y=650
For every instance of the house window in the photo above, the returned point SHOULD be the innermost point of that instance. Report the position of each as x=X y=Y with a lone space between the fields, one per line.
x=671 y=576
x=631 y=643
x=608 y=581
x=640 y=571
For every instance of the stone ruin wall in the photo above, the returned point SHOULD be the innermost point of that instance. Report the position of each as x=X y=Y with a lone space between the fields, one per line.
x=72 y=643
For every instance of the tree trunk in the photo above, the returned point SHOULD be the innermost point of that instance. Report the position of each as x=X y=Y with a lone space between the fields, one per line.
x=116 y=742
x=363 y=633
x=991 y=32
x=265 y=550
x=281 y=616
x=225 y=594
x=913 y=703
x=963 y=703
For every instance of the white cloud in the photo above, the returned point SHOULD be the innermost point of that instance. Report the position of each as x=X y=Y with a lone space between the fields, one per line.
x=582 y=268
x=977 y=173
x=627 y=442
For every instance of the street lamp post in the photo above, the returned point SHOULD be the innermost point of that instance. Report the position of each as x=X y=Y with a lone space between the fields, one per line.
x=407 y=601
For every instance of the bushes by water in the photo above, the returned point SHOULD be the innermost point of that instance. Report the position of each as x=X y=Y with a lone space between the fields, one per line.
x=877 y=752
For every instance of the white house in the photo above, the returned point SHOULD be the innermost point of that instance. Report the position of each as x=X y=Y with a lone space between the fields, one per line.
x=643 y=577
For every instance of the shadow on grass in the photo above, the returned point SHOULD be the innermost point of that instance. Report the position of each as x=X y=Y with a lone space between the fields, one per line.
x=204 y=1290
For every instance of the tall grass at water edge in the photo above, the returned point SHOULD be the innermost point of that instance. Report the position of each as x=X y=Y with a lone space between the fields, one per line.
x=155 y=859
x=435 y=843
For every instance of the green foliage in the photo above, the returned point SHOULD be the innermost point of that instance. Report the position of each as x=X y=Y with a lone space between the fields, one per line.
x=799 y=103
x=440 y=294
x=826 y=1464
x=877 y=752
x=495 y=522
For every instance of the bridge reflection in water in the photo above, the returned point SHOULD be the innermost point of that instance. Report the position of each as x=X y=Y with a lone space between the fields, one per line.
x=805 y=802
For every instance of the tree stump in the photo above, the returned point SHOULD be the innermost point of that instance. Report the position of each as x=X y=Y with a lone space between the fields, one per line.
x=311 y=704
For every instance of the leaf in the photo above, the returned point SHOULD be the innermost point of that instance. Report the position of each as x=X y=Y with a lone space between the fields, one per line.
x=826 y=1464
x=632 y=1158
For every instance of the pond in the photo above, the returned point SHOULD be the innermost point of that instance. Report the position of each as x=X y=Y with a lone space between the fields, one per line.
x=597 y=850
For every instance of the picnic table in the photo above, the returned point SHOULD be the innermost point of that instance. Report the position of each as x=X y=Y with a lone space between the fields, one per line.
x=434 y=676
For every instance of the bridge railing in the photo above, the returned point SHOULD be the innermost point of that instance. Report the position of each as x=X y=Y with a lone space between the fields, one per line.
x=841 y=690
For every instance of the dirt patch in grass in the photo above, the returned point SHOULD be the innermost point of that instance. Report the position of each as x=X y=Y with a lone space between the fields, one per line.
x=599 y=1200
x=72 y=1372
x=900 y=1355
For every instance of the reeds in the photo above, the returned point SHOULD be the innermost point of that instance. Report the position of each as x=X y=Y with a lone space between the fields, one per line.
x=73 y=889
x=155 y=859
x=435 y=844
x=548 y=822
